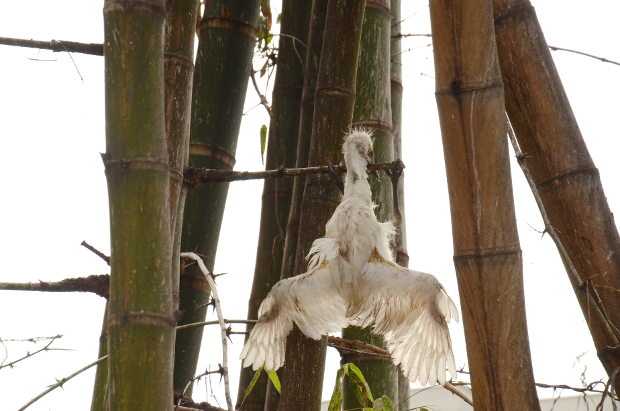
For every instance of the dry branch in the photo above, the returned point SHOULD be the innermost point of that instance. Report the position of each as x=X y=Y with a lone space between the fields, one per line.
x=195 y=176
x=46 y=347
x=222 y=322
x=97 y=284
x=61 y=382
x=94 y=49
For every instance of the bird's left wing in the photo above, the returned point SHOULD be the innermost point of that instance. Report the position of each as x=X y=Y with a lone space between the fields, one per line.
x=411 y=310
x=311 y=300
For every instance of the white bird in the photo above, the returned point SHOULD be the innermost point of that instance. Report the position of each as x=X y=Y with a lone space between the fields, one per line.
x=353 y=280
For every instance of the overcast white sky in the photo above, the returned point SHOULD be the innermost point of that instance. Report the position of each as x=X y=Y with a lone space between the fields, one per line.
x=54 y=194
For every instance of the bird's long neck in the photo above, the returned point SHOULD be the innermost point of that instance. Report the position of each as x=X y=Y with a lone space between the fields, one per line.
x=356 y=180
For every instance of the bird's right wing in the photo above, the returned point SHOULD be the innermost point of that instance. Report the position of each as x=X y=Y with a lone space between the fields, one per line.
x=311 y=300
x=411 y=310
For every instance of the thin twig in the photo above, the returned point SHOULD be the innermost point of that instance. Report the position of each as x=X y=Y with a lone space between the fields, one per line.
x=403 y=35
x=46 y=347
x=62 y=381
x=195 y=176
x=582 y=53
x=261 y=96
x=203 y=323
x=222 y=322
x=96 y=252
x=94 y=49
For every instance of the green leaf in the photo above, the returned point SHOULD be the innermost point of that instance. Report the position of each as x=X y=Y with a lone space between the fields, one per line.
x=251 y=385
x=263 y=142
x=364 y=394
x=336 y=400
x=275 y=380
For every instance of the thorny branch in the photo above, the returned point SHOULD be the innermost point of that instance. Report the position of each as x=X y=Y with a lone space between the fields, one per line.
x=62 y=381
x=46 y=347
x=222 y=322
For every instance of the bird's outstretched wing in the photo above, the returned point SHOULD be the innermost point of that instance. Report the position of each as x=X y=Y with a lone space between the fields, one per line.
x=311 y=300
x=411 y=310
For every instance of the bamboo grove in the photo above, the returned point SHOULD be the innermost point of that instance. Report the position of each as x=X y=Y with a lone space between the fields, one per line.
x=172 y=125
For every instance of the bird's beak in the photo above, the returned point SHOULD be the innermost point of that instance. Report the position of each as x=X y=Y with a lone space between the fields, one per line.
x=369 y=156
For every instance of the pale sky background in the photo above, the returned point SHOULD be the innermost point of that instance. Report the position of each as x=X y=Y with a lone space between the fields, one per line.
x=54 y=195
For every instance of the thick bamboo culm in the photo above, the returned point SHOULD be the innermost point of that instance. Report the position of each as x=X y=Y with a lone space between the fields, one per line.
x=333 y=111
x=562 y=175
x=281 y=152
x=140 y=305
x=226 y=39
x=487 y=254
x=373 y=111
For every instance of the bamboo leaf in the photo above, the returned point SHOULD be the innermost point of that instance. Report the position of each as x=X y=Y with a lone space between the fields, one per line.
x=336 y=400
x=263 y=142
x=275 y=380
x=251 y=385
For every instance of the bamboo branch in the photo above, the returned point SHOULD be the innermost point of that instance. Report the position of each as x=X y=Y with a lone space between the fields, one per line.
x=61 y=382
x=96 y=252
x=96 y=49
x=56 y=46
x=97 y=284
x=195 y=176
x=263 y=100
x=222 y=322
x=582 y=53
x=204 y=323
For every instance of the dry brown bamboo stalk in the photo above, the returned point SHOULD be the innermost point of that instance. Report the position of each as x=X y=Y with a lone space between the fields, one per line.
x=486 y=245
x=562 y=174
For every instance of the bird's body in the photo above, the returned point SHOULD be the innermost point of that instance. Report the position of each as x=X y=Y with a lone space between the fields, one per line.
x=352 y=280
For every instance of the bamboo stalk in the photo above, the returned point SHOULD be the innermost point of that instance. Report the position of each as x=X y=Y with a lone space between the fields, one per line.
x=316 y=28
x=180 y=31
x=226 y=37
x=333 y=110
x=396 y=93
x=373 y=111
x=136 y=160
x=181 y=17
x=561 y=173
x=487 y=255
x=281 y=153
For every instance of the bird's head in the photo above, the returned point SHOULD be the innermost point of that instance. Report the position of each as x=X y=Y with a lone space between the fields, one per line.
x=357 y=148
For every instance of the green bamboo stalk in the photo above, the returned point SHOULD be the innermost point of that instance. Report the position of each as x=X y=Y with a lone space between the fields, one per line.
x=178 y=72
x=333 y=110
x=396 y=93
x=281 y=152
x=562 y=174
x=226 y=37
x=98 y=401
x=487 y=255
x=141 y=320
x=373 y=110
